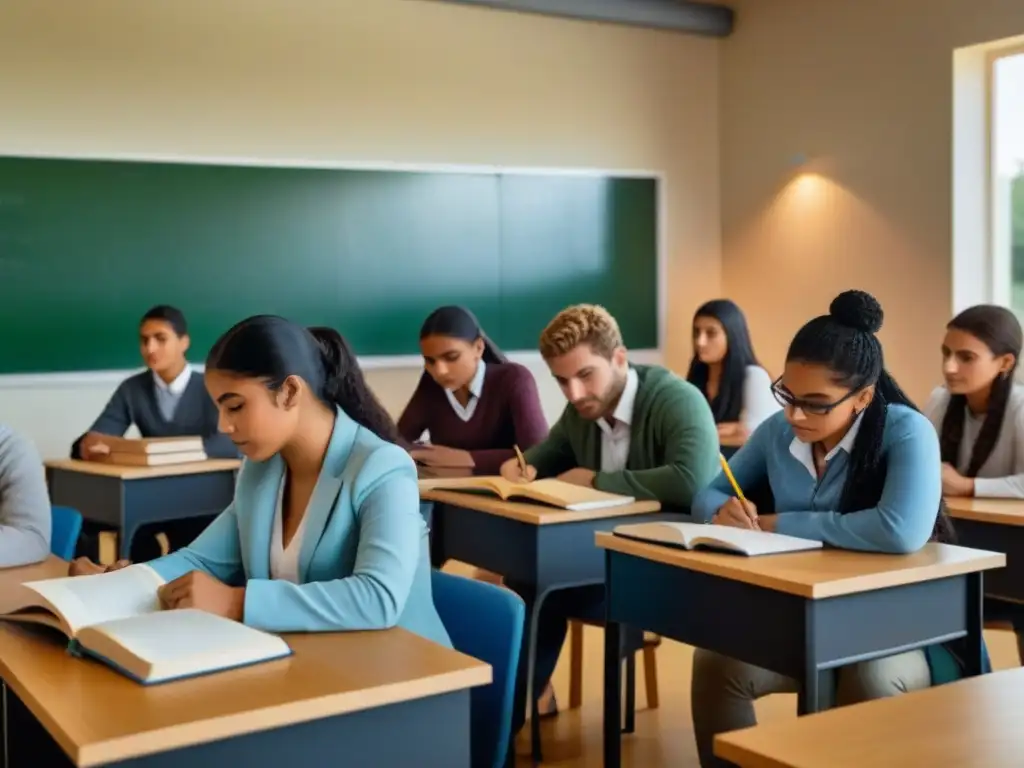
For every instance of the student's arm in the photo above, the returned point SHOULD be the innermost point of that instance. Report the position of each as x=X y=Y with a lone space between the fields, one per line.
x=391 y=531
x=25 y=518
x=749 y=465
x=1010 y=486
x=758 y=401
x=935 y=408
x=114 y=420
x=554 y=455
x=413 y=421
x=691 y=452
x=216 y=551
x=528 y=422
x=905 y=516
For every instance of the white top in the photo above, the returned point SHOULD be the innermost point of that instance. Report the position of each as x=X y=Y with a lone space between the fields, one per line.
x=284 y=562
x=476 y=386
x=615 y=436
x=168 y=395
x=1002 y=474
x=758 y=401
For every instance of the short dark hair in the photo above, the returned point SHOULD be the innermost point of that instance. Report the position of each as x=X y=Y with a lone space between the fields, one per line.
x=456 y=322
x=173 y=316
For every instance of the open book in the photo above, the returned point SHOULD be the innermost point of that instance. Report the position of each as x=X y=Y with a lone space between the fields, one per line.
x=550 y=491
x=116 y=618
x=720 y=537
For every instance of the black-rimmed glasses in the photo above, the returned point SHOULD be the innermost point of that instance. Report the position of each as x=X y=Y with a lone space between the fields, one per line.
x=810 y=407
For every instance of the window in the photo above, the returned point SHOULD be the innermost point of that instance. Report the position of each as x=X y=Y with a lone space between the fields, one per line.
x=1007 y=176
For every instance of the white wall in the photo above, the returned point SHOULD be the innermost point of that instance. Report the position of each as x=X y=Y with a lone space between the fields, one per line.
x=369 y=80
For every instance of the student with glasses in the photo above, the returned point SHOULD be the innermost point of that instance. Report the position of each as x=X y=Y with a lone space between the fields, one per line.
x=852 y=463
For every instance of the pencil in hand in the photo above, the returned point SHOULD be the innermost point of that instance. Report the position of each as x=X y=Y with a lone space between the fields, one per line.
x=735 y=486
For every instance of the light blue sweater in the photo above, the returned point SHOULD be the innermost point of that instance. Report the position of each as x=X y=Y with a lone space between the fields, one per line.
x=905 y=515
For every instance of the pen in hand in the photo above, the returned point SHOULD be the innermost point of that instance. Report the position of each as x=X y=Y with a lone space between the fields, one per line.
x=736 y=487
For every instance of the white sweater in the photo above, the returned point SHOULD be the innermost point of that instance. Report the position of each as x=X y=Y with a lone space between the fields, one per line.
x=25 y=517
x=1002 y=474
x=758 y=401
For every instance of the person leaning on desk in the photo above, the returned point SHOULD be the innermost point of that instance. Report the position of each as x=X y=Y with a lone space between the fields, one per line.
x=325 y=531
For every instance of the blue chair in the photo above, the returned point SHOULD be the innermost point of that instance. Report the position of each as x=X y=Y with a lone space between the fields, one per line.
x=486 y=622
x=64 y=531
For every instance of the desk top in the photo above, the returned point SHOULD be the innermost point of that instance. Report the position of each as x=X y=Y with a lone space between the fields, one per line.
x=99 y=716
x=133 y=473
x=818 y=573
x=534 y=514
x=998 y=511
x=971 y=722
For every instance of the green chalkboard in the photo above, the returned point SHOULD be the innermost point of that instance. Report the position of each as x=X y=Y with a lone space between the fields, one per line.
x=86 y=246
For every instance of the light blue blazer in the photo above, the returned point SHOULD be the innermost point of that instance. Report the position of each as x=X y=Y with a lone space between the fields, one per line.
x=363 y=561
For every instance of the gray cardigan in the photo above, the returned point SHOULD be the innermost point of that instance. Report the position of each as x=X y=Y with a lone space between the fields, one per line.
x=25 y=518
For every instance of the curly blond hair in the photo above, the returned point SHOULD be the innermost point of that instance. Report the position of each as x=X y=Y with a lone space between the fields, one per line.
x=589 y=324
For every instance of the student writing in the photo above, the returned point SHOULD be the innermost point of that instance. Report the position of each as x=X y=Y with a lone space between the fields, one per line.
x=726 y=370
x=473 y=401
x=325 y=531
x=850 y=462
x=25 y=518
x=631 y=429
x=169 y=399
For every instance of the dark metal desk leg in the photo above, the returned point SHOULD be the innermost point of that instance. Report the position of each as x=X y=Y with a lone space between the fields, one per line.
x=975 y=623
x=816 y=691
x=534 y=602
x=612 y=694
x=630 y=724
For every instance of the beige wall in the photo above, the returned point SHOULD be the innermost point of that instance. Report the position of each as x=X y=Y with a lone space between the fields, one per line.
x=379 y=80
x=864 y=89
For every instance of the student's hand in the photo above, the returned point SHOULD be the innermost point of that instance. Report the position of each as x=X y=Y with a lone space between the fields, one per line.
x=732 y=433
x=512 y=472
x=83 y=566
x=955 y=484
x=93 y=446
x=442 y=456
x=579 y=476
x=200 y=590
x=738 y=514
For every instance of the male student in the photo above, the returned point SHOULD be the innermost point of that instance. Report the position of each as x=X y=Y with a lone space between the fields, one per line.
x=25 y=517
x=167 y=400
x=636 y=430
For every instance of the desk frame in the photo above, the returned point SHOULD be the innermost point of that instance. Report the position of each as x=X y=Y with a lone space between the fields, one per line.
x=801 y=637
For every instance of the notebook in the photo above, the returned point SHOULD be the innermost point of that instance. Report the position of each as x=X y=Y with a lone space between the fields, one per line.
x=549 y=491
x=723 y=538
x=116 y=618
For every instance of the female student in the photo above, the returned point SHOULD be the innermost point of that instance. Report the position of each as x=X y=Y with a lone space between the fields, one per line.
x=475 y=403
x=24 y=502
x=325 y=531
x=726 y=370
x=979 y=413
x=851 y=463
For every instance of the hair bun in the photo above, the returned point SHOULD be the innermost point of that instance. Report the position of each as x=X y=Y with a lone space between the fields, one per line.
x=858 y=310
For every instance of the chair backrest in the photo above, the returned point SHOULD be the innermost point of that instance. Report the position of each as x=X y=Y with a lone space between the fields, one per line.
x=64 y=531
x=485 y=621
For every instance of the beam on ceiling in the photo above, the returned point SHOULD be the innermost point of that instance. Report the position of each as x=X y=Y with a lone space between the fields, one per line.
x=677 y=15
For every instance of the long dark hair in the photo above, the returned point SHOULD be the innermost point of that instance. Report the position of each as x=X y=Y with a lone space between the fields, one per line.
x=739 y=354
x=272 y=348
x=998 y=329
x=844 y=341
x=457 y=322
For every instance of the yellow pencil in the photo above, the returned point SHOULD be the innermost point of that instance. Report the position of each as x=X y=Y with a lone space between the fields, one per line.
x=522 y=461
x=732 y=480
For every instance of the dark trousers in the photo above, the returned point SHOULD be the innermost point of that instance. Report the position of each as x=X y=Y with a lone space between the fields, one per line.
x=552 y=627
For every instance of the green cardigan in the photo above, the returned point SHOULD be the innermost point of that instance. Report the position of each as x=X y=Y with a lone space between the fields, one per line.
x=673 y=449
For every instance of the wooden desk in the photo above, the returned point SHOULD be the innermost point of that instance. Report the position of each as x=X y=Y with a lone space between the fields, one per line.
x=538 y=548
x=973 y=722
x=388 y=698
x=126 y=498
x=996 y=524
x=802 y=614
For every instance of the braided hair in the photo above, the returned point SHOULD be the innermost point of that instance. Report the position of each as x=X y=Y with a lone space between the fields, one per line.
x=998 y=329
x=739 y=355
x=844 y=341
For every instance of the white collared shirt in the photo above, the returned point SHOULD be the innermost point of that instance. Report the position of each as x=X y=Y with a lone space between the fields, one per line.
x=615 y=436
x=804 y=452
x=476 y=386
x=284 y=561
x=169 y=395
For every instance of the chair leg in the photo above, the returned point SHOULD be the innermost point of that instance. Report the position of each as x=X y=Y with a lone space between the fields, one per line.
x=575 y=664
x=651 y=676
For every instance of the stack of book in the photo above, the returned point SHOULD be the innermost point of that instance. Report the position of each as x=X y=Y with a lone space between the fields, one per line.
x=153 y=451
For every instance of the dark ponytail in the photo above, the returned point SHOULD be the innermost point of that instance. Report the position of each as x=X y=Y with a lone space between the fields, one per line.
x=739 y=355
x=844 y=341
x=999 y=330
x=457 y=322
x=271 y=348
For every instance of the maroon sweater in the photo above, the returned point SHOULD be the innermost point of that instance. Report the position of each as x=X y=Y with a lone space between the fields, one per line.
x=508 y=413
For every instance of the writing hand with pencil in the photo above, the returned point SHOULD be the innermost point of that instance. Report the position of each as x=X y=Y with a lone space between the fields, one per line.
x=517 y=470
x=737 y=512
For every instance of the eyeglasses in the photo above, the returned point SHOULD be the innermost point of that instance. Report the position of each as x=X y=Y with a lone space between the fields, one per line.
x=809 y=407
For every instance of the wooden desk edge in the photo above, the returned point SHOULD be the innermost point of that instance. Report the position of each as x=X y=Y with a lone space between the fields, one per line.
x=182 y=735
x=543 y=515
x=992 y=518
x=125 y=472
x=836 y=587
x=731 y=746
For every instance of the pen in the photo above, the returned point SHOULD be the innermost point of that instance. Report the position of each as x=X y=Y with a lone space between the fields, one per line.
x=522 y=461
x=734 y=484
